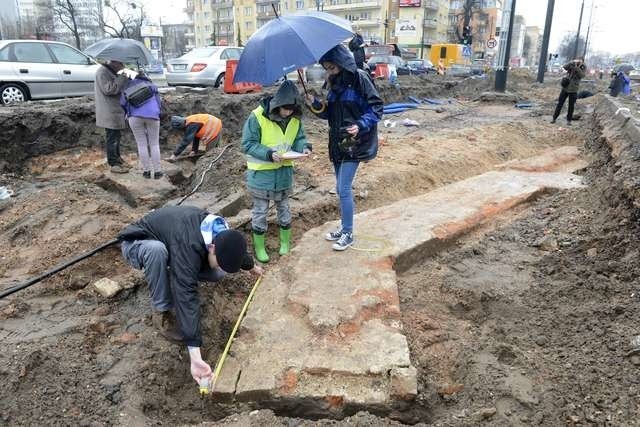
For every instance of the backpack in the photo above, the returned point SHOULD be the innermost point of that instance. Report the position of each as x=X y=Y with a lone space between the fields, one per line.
x=565 y=81
x=139 y=94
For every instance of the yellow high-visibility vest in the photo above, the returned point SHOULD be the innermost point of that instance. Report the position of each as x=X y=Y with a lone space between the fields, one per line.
x=275 y=139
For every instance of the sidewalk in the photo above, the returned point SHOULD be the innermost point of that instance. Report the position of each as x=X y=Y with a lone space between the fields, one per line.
x=323 y=334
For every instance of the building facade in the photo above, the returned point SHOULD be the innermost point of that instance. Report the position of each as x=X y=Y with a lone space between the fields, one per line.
x=421 y=24
x=485 y=16
x=532 y=54
x=518 y=37
x=9 y=20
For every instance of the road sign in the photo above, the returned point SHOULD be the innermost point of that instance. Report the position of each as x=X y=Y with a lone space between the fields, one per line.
x=491 y=43
x=466 y=51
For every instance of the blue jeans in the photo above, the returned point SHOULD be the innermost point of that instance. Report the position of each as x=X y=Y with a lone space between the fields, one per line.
x=345 y=173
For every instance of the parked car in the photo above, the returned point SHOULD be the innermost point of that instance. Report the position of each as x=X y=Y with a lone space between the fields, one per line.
x=457 y=70
x=39 y=69
x=398 y=63
x=421 y=66
x=202 y=66
x=154 y=68
x=634 y=74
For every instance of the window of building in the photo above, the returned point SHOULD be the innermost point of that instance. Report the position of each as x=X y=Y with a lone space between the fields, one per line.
x=207 y=28
x=206 y=15
x=248 y=26
x=248 y=11
x=299 y=4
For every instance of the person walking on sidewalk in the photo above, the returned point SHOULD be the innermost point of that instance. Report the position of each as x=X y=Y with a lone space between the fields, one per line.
x=570 y=85
x=353 y=109
x=198 y=128
x=141 y=103
x=177 y=246
x=109 y=84
x=271 y=130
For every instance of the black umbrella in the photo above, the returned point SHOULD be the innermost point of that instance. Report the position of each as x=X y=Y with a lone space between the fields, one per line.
x=127 y=51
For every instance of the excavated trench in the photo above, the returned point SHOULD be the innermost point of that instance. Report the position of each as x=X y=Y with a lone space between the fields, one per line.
x=101 y=358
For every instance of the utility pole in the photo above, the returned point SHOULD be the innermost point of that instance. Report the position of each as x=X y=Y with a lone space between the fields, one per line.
x=542 y=64
x=386 y=26
x=501 y=75
x=586 y=42
x=575 y=50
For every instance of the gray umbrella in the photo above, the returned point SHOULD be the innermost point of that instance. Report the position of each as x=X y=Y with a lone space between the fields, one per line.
x=625 y=68
x=127 y=51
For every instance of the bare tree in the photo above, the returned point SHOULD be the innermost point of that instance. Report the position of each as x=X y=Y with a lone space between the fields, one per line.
x=66 y=13
x=128 y=17
x=568 y=44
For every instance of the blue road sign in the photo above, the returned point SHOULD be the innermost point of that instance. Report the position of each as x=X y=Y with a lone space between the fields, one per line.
x=466 y=51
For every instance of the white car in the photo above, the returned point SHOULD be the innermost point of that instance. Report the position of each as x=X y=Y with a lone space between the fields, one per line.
x=39 y=69
x=202 y=66
x=634 y=74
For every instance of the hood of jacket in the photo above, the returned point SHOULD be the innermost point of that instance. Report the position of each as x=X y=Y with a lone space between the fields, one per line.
x=287 y=94
x=341 y=56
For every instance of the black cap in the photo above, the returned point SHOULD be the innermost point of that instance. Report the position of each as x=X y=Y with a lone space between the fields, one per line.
x=231 y=249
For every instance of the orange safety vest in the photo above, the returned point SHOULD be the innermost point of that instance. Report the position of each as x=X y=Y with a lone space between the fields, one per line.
x=211 y=127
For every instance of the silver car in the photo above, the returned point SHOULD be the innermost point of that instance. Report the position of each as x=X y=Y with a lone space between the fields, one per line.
x=202 y=66
x=38 y=69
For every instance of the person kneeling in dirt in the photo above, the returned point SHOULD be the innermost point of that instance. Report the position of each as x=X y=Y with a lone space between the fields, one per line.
x=177 y=246
x=198 y=128
x=273 y=129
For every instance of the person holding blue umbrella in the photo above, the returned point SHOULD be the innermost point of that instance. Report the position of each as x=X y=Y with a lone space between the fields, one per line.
x=353 y=109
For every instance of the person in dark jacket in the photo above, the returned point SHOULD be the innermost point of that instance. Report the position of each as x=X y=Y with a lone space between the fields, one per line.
x=620 y=83
x=353 y=109
x=356 y=45
x=177 y=246
x=576 y=71
x=273 y=129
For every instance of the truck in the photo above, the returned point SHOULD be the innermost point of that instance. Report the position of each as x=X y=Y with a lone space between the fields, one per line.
x=450 y=53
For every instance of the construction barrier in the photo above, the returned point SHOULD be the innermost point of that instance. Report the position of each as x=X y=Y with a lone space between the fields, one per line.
x=231 y=87
x=382 y=71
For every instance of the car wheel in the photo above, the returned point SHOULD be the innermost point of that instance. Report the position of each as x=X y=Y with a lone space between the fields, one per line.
x=220 y=81
x=11 y=93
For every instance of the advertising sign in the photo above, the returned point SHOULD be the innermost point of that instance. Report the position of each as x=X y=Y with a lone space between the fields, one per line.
x=409 y=3
x=406 y=27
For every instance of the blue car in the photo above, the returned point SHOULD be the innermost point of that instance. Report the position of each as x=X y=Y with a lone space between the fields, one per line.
x=154 y=68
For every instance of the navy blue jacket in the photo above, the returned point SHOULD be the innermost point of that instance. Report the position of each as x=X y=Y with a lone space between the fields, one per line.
x=352 y=99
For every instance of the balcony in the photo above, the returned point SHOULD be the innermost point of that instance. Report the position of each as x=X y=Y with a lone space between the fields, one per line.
x=223 y=19
x=366 y=23
x=351 y=6
x=189 y=34
x=429 y=23
x=189 y=7
x=222 y=5
x=265 y=15
x=431 y=5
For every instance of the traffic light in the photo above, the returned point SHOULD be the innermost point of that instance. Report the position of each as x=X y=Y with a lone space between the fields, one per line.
x=466 y=35
x=386 y=23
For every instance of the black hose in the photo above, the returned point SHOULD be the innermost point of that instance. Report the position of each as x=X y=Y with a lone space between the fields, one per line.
x=56 y=269
x=79 y=258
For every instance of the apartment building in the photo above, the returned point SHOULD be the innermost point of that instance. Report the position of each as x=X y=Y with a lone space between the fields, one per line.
x=532 y=54
x=485 y=16
x=9 y=20
x=421 y=23
x=517 y=41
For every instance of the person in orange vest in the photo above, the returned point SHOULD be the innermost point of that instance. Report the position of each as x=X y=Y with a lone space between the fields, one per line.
x=198 y=128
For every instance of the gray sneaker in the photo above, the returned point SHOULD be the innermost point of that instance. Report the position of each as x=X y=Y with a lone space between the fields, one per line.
x=119 y=169
x=343 y=242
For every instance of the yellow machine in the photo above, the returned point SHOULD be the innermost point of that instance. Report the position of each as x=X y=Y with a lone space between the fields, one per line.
x=450 y=53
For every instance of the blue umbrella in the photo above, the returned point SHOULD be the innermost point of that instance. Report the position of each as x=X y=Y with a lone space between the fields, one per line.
x=289 y=42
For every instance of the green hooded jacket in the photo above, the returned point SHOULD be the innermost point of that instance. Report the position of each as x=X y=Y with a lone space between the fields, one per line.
x=282 y=178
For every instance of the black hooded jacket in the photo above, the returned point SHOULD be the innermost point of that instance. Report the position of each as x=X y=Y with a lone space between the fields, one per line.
x=352 y=99
x=178 y=227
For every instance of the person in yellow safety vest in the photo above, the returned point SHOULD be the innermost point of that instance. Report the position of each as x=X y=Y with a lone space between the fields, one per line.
x=198 y=128
x=270 y=131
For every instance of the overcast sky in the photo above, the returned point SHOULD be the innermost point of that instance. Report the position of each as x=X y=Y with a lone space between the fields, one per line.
x=612 y=25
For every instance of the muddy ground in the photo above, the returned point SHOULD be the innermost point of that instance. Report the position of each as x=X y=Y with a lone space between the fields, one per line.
x=528 y=321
